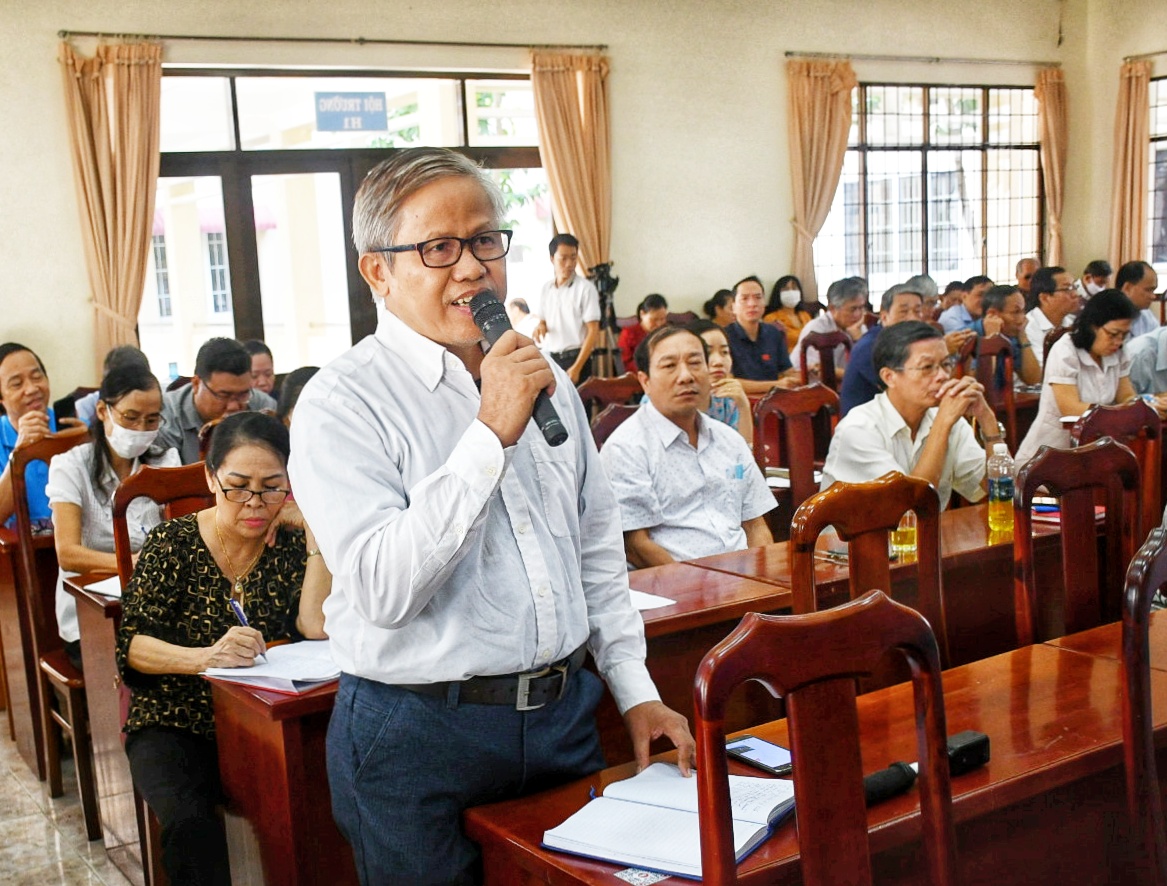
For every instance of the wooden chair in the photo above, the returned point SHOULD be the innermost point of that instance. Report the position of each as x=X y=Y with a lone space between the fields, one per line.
x=182 y=490
x=1102 y=470
x=61 y=686
x=863 y=514
x=179 y=381
x=812 y=661
x=607 y=421
x=1050 y=337
x=684 y=318
x=792 y=430
x=1137 y=426
x=964 y=358
x=599 y=393
x=824 y=343
x=994 y=351
x=1146 y=577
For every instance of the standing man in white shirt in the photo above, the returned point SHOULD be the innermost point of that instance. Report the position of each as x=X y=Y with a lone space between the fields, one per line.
x=474 y=564
x=916 y=426
x=565 y=316
x=1052 y=294
x=1138 y=282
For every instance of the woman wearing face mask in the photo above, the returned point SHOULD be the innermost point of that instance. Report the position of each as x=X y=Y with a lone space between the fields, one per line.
x=728 y=401
x=787 y=307
x=82 y=483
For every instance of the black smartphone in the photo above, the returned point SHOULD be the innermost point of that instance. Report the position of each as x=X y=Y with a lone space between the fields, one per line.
x=758 y=752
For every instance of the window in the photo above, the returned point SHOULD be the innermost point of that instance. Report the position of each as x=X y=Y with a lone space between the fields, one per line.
x=161 y=274
x=258 y=173
x=220 y=284
x=944 y=180
x=1157 y=178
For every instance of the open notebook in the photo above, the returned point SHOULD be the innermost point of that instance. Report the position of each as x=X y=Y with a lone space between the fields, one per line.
x=650 y=820
x=292 y=668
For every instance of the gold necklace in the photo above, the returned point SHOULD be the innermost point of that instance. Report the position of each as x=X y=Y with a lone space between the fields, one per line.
x=238 y=576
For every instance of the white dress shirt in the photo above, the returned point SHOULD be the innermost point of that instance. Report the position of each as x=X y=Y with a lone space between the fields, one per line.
x=1148 y=356
x=451 y=556
x=1069 y=365
x=1037 y=326
x=693 y=501
x=824 y=322
x=873 y=438
x=71 y=482
x=565 y=309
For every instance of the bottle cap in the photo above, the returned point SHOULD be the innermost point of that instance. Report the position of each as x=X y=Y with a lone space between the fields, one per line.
x=1000 y=449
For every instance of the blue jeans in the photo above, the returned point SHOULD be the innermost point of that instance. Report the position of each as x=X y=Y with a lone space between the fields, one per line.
x=403 y=765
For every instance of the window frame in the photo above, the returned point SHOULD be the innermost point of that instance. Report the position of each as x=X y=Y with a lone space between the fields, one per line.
x=161 y=275
x=234 y=168
x=1153 y=141
x=923 y=149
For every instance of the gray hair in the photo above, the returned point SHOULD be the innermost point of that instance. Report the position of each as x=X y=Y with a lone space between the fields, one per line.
x=390 y=183
x=848 y=289
x=924 y=285
x=889 y=297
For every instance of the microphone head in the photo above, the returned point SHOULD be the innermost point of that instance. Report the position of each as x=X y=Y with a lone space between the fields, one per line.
x=490 y=316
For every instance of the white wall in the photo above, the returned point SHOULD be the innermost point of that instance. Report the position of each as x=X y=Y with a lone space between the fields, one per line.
x=700 y=161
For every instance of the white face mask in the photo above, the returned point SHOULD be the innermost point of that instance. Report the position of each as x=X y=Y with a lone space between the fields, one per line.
x=1092 y=288
x=128 y=443
x=790 y=298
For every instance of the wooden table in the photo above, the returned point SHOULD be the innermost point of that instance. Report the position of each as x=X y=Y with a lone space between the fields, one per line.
x=21 y=672
x=1106 y=641
x=98 y=619
x=271 y=760
x=976 y=570
x=1048 y=808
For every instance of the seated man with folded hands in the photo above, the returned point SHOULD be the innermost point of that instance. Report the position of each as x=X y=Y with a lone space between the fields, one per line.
x=687 y=484
x=917 y=424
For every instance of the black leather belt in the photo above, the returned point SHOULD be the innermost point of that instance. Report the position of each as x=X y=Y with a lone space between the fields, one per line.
x=525 y=691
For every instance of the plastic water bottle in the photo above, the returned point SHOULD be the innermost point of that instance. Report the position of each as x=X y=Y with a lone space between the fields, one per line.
x=1000 y=471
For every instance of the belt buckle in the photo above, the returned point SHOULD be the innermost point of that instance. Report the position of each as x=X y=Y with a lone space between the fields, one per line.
x=524 y=690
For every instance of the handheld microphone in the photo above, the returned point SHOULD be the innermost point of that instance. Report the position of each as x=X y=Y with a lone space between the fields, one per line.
x=491 y=317
x=887 y=783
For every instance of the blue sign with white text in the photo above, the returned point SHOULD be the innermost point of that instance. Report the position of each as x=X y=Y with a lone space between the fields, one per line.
x=351 y=112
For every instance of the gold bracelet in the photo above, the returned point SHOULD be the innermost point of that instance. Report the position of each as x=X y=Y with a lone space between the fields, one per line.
x=314 y=553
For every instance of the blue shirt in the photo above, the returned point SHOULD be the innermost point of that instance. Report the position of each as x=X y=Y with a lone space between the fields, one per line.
x=36 y=475
x=956 y=318
x=762 y=360
x=860 y=383
x=724 y=410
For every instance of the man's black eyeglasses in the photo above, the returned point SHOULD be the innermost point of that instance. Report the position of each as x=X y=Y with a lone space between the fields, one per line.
x=444 y=252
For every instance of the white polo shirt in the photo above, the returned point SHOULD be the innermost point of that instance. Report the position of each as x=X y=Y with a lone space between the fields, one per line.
x=565 y=309
x=1037 y=326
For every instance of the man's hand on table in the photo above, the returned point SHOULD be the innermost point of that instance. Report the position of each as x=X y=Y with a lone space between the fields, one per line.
x=650 y=720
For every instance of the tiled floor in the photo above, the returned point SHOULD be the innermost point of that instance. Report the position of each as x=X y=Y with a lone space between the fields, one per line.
x=42 y=841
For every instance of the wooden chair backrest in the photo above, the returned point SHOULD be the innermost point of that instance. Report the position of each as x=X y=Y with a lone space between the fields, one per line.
x=1103 y=470
x=825 y=343
x=598 y=393
x=964 y=358
x=1137 y=426
x=863 y=514
x=812 y=661
x=991 y=351
x=607 y=421
x=1146 y=577
x=38 y=598
x=1050 y=338
x=789 y=433
x=182 y=490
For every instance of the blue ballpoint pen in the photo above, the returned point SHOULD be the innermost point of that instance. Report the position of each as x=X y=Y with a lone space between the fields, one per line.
x=239 y=614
